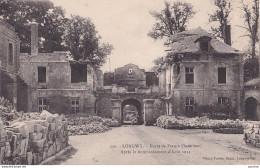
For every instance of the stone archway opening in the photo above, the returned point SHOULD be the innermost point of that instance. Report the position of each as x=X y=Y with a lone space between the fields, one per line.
x=131 y=112
x=251 y=109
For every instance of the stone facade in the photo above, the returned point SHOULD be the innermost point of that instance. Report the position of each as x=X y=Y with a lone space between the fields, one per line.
x=210 y=74
x=56 y=80
x=129 y=85
x=9 y=62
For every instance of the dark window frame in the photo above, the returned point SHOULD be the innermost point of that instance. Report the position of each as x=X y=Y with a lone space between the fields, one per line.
x=42 y=104
x=223 y=100
x=222 y=75
x=74 y=105
x=78 y=73
x=189 y=75
x=42 y=74
x=204 y=45
x=10 y=53
x=189 y=105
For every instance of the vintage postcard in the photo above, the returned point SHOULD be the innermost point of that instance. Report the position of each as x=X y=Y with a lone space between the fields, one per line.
x=129 y=82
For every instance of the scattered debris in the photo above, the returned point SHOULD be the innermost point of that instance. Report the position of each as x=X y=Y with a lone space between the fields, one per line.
x=252 y=134
x=84 y=124
x=172 y=122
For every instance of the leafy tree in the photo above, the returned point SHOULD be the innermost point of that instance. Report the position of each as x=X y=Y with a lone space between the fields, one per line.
x=251 y=16
x=83 y=41
x=53 y=32
x=220 y=15
x=19 y=13
x=251 y=68
x=173 y=18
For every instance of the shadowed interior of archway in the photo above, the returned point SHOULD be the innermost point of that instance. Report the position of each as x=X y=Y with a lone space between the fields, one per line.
x=132 y=104
x=251 y=109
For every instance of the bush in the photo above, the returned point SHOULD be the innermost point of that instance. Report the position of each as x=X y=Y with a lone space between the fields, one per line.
x=7 y=111
x=219 y=112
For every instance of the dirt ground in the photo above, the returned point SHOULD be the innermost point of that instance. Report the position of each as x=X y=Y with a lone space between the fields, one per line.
x=153 y=145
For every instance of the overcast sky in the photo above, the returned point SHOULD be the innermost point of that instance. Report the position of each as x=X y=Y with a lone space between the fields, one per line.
x=125 y=24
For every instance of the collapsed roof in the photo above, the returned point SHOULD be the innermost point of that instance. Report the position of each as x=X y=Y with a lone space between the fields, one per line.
x=186 y=42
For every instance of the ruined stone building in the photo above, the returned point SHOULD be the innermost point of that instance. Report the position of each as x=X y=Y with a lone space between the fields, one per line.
x=130 y=87
x=201 y=71
x=9 y=62
x=56 y=82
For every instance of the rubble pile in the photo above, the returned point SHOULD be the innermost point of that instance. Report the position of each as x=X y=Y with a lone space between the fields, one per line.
x=32 y=139
x=85 y=124
x=172 y=122
x=252 y=134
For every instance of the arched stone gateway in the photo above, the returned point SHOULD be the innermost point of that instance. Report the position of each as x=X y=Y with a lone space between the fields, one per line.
x=251 y=109
x=128 y=113
x=147 y=114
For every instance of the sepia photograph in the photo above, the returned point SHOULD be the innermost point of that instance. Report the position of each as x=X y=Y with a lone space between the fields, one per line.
x=129 y=82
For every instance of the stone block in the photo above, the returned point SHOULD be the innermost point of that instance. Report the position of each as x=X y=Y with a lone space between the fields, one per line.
x=36 y=158
x=51 y=151
x=38 y=145
x=49 y=119
x=20 y=127
x=38 y=135
x=37 y=128
x=3 y=135
x=52 y=126
x=17 y=151
x=2 y=154
x=257 y=137
x=44 y=155
x=44 y=131
x=7 y=149
x=1 y=124
x=29 y=158
x=23 y=159
x=33 y=136
x=24 y=145
x=17 y=160
x=58 y=147
x=9 y=135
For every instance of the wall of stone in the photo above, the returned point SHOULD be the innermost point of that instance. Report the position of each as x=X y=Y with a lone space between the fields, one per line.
x=124 y=78
x=9 y=67
x=86 y=98
x=206 y=88
x=31 y=142
x=252 y=134
x=58 y=71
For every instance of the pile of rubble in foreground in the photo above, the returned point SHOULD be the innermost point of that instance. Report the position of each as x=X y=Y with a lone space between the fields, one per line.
x=85 y=124
x=32 y=138
x=252 y=134
x=172 y=122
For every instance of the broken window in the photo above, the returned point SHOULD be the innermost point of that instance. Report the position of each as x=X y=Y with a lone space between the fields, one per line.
x=78 y=73
x=189 y=75
x=42 y=104
x=222 y=100
x=41 y=74
x=74 y=106
x=189 y=106
x=204 y=46
x=11 y=54
x=221 y=75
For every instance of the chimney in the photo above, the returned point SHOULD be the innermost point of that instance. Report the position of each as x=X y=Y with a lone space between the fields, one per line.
x=227 y=34
x=34 y=38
